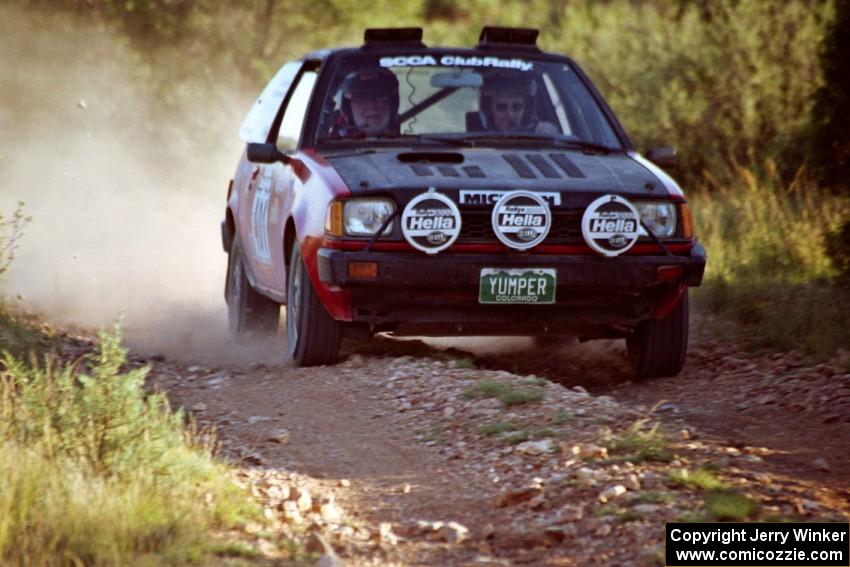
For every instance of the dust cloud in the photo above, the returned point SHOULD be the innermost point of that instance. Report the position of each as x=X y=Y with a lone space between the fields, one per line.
x=125 y=198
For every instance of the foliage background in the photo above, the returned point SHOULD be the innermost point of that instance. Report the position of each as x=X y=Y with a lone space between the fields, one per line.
x=727 y=82
x=752 y=93
x=118 y=123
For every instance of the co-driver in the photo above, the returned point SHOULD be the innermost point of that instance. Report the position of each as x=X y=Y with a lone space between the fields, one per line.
x=507 y=105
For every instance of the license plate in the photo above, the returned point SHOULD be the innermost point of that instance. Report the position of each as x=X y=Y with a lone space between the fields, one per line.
x=521 y=285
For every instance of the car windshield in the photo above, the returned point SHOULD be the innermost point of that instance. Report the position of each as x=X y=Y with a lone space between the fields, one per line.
x=461 y=99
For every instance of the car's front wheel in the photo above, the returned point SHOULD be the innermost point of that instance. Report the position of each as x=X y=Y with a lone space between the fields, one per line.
x=248 y=312
x=658 y=347
x=314 y=336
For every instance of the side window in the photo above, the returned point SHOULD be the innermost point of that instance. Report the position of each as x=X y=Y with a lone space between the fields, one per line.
x=585 y=113
x=295 y=112
x=258 y=122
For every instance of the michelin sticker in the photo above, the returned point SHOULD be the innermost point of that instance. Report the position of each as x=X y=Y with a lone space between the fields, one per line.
x=484 y=197
x=521 y=220
x=430 y=222
x=455 y=61
x=610 y=225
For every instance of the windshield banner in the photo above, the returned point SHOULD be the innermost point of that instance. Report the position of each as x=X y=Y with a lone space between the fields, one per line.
x=456 y=61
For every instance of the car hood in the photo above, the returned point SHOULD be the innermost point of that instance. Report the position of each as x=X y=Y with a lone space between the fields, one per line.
x=501 y=169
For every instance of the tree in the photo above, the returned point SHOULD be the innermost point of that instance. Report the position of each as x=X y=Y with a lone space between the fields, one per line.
x=830 y=145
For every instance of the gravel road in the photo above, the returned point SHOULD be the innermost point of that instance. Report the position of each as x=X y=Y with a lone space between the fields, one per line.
x=405 y=454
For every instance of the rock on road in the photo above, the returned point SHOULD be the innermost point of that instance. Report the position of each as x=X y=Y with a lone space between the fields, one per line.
x=404 y=459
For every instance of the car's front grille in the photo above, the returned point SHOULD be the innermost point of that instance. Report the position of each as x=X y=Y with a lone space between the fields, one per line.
x=476 y=226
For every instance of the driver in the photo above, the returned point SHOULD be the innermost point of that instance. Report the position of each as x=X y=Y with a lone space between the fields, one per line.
x=369 y=105
x=507 y=104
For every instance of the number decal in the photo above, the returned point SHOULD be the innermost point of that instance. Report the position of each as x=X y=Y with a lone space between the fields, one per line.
x=260 y=217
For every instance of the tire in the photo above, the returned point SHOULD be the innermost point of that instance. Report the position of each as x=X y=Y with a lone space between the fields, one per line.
x=248 y=312
x=314 y=336
x=658 y=347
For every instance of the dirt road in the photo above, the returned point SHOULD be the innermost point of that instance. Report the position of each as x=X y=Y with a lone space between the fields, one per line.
x=534 y=457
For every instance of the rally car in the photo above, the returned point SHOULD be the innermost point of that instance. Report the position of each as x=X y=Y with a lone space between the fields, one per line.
x=433 y=191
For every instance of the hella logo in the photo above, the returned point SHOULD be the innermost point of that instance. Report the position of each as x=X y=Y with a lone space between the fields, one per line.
x=430 y=222
x=521 y=220
x=512 y=219
x=610 y=225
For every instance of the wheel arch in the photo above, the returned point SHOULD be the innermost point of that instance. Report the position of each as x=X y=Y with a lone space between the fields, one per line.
x=229 y=228
x=289 y=238
x=228 y=234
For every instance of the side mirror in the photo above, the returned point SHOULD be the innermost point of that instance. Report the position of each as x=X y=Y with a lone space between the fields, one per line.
x=265 y=153
x=664 y=156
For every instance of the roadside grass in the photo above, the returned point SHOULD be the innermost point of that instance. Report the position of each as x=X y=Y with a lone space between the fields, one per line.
x=720 y=501
x=508 y=394
x=627 y=516
x=536 y=381
x=98 y=472
x=464 y=362
x=765 y=242
x=729 y=505
x=639 y=443
x=517 y=437
x=436 y=434
x=543 y=432
x=234 y=549
x=651 y=497
x=701 y=478
x=497 y=428
x=562 y=418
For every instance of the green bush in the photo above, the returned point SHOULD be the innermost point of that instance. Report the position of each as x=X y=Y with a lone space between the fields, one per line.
x=96 y=471
x=766 y=248
x=829 y=147
x=758 y=228
x=837 y=246
x=727 y=83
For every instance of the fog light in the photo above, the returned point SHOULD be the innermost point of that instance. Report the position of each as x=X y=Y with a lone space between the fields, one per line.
x=363 y=270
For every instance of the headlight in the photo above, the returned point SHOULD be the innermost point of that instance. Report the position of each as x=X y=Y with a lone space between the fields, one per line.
x=659 y=217
x=358 y=217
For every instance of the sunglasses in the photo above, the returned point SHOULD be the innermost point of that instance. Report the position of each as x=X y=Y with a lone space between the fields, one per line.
x=505 y=107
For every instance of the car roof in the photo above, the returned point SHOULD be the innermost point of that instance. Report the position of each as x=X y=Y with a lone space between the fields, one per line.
x=395 y=49
x=324 y=54
x=517 y=42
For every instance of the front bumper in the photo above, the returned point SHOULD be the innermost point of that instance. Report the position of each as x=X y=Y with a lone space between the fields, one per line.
x=595 y=294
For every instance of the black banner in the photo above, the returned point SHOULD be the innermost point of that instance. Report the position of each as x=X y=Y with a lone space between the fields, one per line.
x=758 y=544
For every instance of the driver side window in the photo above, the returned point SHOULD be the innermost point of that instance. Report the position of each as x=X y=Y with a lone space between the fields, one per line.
x=295 y=112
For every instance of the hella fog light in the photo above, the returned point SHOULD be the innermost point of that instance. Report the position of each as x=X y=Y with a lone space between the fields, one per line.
x=659 y=217
x=363 y=217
